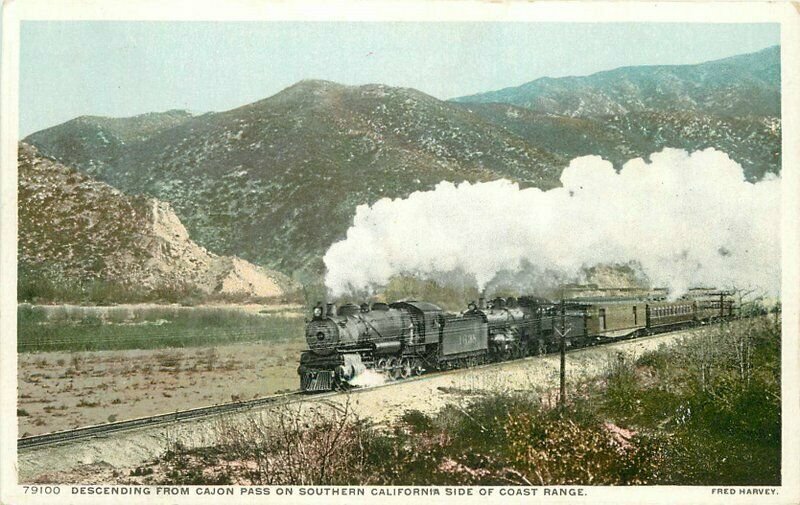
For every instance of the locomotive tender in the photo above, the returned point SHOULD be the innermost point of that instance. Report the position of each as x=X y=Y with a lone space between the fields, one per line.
x=407 y=338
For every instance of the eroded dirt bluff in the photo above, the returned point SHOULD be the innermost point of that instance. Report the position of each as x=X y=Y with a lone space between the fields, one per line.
x=72 y=227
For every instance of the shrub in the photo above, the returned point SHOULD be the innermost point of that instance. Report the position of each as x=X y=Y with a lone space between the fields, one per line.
x=658 y=361
x=314 y=446
x=562 y=452
x=187 y=467
x=417 y=421
x=622 y=389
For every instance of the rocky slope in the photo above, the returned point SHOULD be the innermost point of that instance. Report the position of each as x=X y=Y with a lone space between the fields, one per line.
x=276 y=182
x=76 y=229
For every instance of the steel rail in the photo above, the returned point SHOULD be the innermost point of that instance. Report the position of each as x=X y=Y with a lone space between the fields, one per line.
x=149 y=421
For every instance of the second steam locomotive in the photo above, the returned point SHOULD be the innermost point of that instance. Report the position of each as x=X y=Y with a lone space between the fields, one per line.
x=407 y=338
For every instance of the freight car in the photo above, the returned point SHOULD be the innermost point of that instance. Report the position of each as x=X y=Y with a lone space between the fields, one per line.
x=407 y=338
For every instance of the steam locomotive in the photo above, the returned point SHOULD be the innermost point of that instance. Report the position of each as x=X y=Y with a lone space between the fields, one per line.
x=407 y=338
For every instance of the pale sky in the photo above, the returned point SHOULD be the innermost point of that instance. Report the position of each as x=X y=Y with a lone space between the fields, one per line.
x=74 y=68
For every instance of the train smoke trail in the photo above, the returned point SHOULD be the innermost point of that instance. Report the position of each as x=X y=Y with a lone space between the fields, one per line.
x=686 y=219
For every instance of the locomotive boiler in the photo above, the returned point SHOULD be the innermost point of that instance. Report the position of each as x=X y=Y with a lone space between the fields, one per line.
x=379 y=329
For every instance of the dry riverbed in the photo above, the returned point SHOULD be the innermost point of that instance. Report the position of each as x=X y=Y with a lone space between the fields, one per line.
x=64 y=390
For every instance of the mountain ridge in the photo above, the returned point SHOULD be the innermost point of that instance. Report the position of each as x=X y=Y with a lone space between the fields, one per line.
x=277 y=181
x=624 y=85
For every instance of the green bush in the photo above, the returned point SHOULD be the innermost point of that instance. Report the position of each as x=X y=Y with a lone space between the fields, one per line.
x=658 y=361
x=562 y=452
x=417 y=421
x=714 y=403
x=622 y=387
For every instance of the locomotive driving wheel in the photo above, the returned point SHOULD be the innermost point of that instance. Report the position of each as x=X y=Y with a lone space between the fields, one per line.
x=381 y=365
x=394 y=368
x=405 y=368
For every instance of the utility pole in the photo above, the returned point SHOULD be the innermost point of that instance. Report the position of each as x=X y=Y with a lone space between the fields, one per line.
x=562 y=396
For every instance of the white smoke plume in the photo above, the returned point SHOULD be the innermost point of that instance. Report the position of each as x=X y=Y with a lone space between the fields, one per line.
x=687 y=219
x=368 y=378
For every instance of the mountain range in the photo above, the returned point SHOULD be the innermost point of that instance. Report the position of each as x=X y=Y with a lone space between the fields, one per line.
x=277 y=181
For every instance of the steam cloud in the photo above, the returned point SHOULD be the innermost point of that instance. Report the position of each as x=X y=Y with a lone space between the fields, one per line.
x=368 y=378
x=686 y=219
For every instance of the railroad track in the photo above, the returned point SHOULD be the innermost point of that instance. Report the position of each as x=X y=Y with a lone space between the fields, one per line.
x=102 y=430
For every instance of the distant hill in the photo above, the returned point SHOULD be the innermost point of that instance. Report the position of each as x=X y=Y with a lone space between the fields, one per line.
x=93 y=141
x=733 y=104
x=745 y=85
x=79 y=234
x=753 y=142
x=276 y=182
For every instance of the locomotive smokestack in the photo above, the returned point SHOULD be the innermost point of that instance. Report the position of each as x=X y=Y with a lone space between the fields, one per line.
x=482 y=303
x=330 y=309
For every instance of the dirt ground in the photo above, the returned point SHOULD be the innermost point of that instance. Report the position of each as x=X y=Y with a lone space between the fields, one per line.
x=64 y=390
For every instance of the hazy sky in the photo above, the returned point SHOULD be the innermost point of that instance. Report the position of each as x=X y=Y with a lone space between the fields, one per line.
x=68 y=69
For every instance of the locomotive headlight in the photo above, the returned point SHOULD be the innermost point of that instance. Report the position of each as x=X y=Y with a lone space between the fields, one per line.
x=317 y=311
